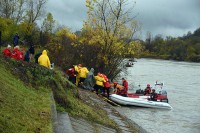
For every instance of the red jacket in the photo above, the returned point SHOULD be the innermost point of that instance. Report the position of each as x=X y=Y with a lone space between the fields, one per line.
x=6 y=52
x=71 y=72
x=125 y=84
x=107 y=84
x=17 y=54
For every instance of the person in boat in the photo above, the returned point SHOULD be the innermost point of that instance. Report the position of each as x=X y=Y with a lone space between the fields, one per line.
x=154 y=95
x=7 y=51
x=72 y=75
x=99 y=83
x=89 y=81
x=147 y=90
x=117 y=88
x=124 y=92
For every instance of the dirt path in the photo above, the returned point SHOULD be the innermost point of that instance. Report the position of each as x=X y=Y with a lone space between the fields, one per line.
x=124 y=124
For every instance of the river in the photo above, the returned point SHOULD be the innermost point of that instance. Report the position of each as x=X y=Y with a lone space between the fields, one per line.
x=182 y=82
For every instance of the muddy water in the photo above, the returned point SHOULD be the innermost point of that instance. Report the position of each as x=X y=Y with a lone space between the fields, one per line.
x=182 y=82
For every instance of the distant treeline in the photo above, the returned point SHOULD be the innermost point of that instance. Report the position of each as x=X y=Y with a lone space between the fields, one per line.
x=185 y=48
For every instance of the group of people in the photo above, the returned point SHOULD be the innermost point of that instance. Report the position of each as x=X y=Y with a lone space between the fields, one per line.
x=80 y=76
x=18 y=54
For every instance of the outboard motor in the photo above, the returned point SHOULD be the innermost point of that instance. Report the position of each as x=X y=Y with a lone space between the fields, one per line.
x=163 y=93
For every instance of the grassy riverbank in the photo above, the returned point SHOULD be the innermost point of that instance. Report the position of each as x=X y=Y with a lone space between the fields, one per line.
x=25 y=98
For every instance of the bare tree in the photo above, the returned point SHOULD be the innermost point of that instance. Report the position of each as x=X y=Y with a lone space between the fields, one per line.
x=18 y=10
x=34 y=10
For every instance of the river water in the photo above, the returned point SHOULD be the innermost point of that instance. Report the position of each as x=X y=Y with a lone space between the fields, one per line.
x=182 y=82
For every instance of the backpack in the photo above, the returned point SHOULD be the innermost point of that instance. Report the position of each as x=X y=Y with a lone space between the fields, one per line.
x=107 y=84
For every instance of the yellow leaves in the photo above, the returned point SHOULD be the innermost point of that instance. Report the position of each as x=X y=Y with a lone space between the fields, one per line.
x=66 y=33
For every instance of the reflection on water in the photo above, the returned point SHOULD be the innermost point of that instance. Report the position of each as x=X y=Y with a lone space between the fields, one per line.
x=182 y=82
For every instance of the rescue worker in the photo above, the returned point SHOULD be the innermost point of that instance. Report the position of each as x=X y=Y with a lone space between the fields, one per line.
x=147 y=90
x=77 y=71
x=125 y=90
x=106 y=88
x=44 y=60
x=154 y=95
x=17 y=54
x=83 y=74
x=117 y=88
x=72 y=75
x=89 y=81
x=7 y=51
x=99 y=83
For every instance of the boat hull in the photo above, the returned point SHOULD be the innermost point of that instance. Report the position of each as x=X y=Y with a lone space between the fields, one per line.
x=139 y=102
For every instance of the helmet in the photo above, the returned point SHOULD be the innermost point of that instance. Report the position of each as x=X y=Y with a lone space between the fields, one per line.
x=148 y=85
x=99 y=74
x=115 y=83
x=80 y=65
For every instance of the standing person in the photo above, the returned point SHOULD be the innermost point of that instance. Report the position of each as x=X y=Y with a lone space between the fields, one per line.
x=44 y=60
x=107 y=86
x=99 y=83
x=83 y=74
x=125 y=84
x=16 y=39
x=72 y=75
x=77 y=70
x=7 y=51
x=31 y=51
x=37 y=56
x=27 y=56
x=89 y=81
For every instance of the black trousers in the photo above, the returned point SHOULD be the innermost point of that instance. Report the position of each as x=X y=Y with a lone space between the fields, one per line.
x=72 y=79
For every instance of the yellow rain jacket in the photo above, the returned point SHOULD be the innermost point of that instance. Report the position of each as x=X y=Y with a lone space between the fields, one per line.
x=100 y=80
x=44 y=59
x=83 y=72
x=77 y=69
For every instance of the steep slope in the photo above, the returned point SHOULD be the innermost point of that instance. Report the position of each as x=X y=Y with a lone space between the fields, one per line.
x=22 y=108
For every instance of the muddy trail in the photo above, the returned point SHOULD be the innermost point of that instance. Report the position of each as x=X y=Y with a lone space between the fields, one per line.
x=70 y=124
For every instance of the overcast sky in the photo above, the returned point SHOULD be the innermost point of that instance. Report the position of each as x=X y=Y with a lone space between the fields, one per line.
x=165 y=17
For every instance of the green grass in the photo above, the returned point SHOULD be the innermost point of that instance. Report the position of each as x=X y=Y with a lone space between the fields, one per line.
x=22 y=108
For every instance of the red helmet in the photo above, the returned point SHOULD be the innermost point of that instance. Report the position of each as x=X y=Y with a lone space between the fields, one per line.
x=114 y=82
x=148 y=85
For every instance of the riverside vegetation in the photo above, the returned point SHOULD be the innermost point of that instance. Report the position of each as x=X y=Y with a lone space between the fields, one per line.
x=25 y=98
